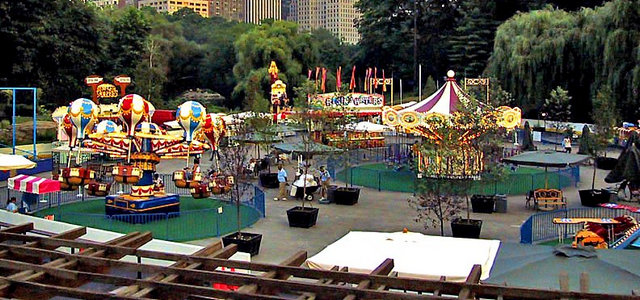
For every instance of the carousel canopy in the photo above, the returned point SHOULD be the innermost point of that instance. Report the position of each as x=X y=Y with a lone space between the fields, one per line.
x=444 y=101
x=368 y=127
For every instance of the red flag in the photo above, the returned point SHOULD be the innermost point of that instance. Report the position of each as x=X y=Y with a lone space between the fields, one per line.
x=339 y=79
x=352 y=84
x=366 y=78
x=309 y=75
x=324 y=79
x=384 y=85
x=375 y=78
x=317 y=73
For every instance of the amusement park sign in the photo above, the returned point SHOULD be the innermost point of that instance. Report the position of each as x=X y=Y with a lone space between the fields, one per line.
x=351 y=100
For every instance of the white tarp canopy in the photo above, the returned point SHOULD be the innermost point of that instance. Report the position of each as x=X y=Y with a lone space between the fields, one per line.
x=414 y=254
x=368 y=127
x=15 y=162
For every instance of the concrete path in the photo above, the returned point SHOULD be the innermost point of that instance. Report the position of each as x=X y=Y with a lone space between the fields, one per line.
x=381 y=211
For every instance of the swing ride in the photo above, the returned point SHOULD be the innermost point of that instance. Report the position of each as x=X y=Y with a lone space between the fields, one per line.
x=140 y=145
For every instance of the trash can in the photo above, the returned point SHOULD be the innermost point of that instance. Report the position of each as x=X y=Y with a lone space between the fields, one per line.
x=501 y=203
x=330 y=192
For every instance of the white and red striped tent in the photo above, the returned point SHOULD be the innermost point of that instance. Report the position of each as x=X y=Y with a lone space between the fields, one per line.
x=444 y=101
x=32 y=184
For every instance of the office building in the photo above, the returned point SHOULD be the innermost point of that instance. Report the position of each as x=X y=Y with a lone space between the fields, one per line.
x=170 y=6
x=228 y=9
x=258 y=10
x=336 y=16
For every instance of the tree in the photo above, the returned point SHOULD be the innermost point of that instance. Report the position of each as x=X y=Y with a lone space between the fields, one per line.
x=558 y=108
x=126 y=44
x=472 y=42
x=51 y=45
x=438 y=201
x=151 y=73
x=429 y=87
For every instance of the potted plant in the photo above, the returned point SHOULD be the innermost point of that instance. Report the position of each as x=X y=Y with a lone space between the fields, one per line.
x=604 y=115
x=233 y=160
x=303 y=216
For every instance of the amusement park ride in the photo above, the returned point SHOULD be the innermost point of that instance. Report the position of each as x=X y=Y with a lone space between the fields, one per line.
x=140 y=145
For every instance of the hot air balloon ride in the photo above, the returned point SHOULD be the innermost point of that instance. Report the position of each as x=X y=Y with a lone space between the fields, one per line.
x=126 y=132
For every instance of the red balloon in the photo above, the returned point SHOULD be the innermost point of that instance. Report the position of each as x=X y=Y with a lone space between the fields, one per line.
x=133 y=110
x=69 y=129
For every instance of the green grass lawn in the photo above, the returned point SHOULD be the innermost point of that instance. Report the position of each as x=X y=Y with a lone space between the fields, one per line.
x=199 y=218
x=518 y=182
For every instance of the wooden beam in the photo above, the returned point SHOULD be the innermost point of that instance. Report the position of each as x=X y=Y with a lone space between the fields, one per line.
x=296 y=259
x=22 y=228
x=418 y=285
x=71 y=234
x=230 y=278
x=383 y=269
x=38 y=288
x=473 y=278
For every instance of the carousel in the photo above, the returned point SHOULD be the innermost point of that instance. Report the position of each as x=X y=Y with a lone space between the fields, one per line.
x=452 y=134
x=139 y=145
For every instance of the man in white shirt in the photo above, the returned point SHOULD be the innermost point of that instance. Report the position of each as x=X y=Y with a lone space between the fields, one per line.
x=11 y=206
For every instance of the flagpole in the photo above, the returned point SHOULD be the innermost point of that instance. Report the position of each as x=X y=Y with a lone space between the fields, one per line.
x=401 y=101
x=392 y=90
x=419 y=82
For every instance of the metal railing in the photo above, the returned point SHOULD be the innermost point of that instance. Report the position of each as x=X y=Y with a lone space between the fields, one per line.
x=192 y=224
x=539 y=227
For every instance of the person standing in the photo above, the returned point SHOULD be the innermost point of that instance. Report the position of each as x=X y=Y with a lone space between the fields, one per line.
x=282 y=183
x=11 y=206
x=325 y=179
x=566 y=143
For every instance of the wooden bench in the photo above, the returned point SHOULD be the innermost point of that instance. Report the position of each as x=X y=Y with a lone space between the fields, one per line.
x=548 y=199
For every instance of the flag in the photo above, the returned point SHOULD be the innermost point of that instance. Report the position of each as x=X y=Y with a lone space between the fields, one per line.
x=384 y=85
x=375 y=78
x=309 y=75
x=369 y=87
x=352 y=84
x=317 y=73
x=366 y=78
x=324 y=79
x=339 y=79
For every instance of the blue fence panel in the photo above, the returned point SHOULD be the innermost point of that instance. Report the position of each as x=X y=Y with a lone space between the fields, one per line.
x=539 y=227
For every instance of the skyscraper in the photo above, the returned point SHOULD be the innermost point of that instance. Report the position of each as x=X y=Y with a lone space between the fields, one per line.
x=336 y=16
x=228 y=9
x=258 y=10
x=199 y=6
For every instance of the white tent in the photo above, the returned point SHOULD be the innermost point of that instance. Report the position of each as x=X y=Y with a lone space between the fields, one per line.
x=368 y=126
x=414 y=254
x=15 y=162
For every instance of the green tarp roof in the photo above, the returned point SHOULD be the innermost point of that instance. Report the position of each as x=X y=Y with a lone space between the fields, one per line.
x=546 y=159
x=314 y=148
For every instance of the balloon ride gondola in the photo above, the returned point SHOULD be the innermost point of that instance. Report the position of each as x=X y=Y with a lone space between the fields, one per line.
x=141 y=145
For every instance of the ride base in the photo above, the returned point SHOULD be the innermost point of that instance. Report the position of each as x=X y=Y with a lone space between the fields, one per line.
x=159 y=203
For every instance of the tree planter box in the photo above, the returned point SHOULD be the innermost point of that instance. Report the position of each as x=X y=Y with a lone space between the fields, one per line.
x=466 y=228
x=346 y=196
x=249 y=243
x=303 y=217
x=606 y=163
x=483 y=204
x=269 y=180
x=592 y=198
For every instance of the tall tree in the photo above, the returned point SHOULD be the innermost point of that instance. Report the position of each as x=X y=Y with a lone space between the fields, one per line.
x=126 y=44
x=52 y=45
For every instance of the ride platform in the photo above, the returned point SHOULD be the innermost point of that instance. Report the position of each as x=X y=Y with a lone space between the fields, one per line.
x=159 y=203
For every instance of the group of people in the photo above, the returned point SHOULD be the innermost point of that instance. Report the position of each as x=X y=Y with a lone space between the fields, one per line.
x=324 y=175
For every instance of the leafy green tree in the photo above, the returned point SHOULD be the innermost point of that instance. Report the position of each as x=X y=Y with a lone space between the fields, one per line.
x=472 y=42
x=558 y=108
x=52 y=45
x=429 y=87
x=126 y=43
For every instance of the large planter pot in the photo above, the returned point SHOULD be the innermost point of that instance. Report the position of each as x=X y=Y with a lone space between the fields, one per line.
x=346 y=196
x=592 y=198
x=303 y=217
x=269 y=180
x=606 y=163
x=466 y=228
x=247 y=242
x=483 y=204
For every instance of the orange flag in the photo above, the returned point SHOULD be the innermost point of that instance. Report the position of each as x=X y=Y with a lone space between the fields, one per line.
x=384 y=86
x=352 y=84
x=339 y=79
x=324 y=80
x=375 y=78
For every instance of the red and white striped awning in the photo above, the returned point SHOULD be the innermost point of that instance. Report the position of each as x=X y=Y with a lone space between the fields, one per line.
x=32 y=184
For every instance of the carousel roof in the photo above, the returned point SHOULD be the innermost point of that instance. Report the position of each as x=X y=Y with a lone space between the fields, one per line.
x=444 y=101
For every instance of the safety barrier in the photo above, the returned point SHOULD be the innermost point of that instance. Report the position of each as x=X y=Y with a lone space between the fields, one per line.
x=539 y=227
x=182 y=226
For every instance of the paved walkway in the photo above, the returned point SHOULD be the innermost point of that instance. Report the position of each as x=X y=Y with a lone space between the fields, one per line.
x=381 y=211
